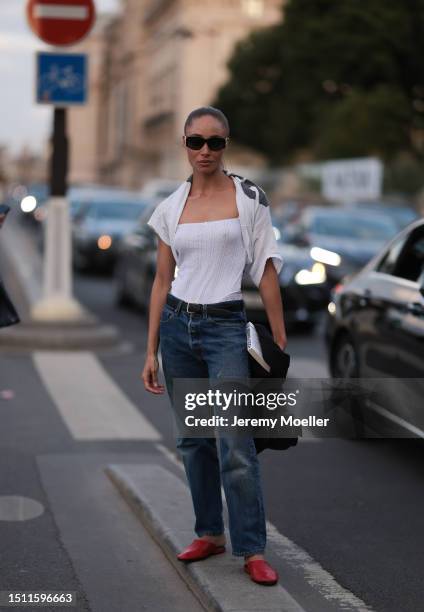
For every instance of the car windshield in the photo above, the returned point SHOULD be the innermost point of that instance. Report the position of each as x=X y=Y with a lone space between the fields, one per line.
x=75 y=207
x=353 y=226
x=115 y=210
x=403 y=216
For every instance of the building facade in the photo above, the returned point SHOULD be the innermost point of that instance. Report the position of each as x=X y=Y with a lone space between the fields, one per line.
x=157 y=60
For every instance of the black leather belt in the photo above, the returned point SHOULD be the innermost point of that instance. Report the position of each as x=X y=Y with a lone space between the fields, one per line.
x=219 y=308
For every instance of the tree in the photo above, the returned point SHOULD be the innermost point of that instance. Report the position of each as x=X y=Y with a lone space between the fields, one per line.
x=341 y=78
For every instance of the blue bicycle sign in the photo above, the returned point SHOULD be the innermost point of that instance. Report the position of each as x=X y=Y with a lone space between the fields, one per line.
x=61 y=78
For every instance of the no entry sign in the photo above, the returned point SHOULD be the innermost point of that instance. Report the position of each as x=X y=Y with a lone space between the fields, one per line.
x=60 y=22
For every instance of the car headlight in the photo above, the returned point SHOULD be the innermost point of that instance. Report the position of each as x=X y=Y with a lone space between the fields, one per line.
x=326 y=257
x=28 y=204
x=315 y=276
x=332 y=308
x=104 y=242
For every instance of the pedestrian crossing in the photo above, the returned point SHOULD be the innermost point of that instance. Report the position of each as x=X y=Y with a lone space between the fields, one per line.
x=94 y=407
x=91 y=404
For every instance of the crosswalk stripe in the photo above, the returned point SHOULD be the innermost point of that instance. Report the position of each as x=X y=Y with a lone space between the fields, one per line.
x=91 y=404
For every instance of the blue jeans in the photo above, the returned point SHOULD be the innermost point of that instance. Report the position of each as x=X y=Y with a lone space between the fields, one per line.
x=203 y=346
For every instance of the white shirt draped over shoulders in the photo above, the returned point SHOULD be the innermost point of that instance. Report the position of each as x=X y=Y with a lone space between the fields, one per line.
x=255 y=221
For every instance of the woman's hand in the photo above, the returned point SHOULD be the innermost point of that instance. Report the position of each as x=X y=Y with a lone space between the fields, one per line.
x=281 y=341
x=150 y=375
x=2 y=218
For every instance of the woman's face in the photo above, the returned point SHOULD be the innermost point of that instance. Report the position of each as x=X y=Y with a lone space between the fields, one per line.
x=204 y=160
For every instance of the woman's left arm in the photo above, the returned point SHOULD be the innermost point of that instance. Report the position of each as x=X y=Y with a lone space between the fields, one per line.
x=269 y=288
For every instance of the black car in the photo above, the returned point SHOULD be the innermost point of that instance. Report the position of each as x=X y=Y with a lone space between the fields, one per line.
x=343 y=239
x=135 y=266
x=100 y=219
x=305 y=292
x=375 y=330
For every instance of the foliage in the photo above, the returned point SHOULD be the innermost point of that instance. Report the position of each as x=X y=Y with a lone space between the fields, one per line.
x=341 y=78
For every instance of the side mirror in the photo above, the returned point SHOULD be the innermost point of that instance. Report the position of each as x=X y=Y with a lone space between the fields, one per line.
x=300 y=239
x=78 y=218
x=296 y=236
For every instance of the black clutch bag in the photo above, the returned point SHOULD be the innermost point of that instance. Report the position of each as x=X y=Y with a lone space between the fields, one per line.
x=270 y=381
x=8 y=314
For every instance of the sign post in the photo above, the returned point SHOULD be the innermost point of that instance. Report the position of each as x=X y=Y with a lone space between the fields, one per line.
x=60 y=22
x=61 y=81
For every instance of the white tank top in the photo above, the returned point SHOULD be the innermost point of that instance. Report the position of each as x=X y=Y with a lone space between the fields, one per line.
x=211 y=258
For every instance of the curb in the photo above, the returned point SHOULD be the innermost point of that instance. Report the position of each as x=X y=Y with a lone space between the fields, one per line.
x=162 y=503
x=24 y=271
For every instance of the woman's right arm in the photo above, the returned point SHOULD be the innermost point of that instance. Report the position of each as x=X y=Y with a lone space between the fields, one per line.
x=165 y=269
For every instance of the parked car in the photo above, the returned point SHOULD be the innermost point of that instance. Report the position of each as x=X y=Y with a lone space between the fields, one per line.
x=304 y=289
x=159 y=188
x=343 y=239
x=402 y=214
x=100 y=218
x=135 y=266
x=375 y=329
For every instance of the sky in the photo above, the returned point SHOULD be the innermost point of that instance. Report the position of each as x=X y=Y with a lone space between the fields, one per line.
x=23 y=122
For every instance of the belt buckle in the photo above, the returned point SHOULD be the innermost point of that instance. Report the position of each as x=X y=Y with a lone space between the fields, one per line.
x=189 y=311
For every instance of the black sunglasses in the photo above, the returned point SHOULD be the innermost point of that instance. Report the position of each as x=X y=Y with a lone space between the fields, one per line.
x=215 y=143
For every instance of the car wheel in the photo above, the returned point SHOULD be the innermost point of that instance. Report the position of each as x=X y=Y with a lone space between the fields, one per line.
x=344 y=362
x=345 y=365
x=80 y=262
x=122 y=298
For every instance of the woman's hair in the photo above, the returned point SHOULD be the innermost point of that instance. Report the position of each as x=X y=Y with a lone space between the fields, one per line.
x=207 y=110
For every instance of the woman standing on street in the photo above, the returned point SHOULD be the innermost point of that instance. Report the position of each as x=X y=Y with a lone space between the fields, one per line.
x=213 y=226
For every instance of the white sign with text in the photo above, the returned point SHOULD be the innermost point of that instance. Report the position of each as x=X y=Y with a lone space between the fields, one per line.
x=352 y=179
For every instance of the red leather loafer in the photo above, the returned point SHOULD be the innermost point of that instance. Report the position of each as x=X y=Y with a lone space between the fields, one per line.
x=200 y=549
x=261 y=572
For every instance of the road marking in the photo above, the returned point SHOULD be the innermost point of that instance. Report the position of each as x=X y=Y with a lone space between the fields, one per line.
x=395 y=419
x=170 y=455
x=60 y=11
x=304 y=565
x=19 y=508
x=92 y=406
x=313 y=573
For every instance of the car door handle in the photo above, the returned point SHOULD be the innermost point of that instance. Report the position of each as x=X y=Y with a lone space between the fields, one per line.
x=415 y=308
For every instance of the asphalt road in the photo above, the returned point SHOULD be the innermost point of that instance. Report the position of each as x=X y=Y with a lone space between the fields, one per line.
x=354 y=506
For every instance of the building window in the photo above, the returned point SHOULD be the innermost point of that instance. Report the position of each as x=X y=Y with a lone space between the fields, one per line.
x=253 y=8
x=121 y=117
